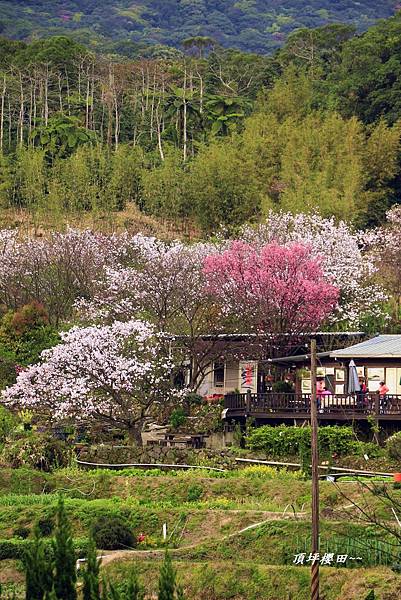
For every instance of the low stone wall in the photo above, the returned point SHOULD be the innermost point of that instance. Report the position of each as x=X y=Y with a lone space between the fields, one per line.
x=115 y=454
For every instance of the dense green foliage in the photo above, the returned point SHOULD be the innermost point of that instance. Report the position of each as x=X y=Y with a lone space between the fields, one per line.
x=53 y=574
x=24 y=333
x=211 y=139
x=256 y=25
x=7 y=423
x=393 y=446
x=40 y=451
x=292 y=441
x=91 y=580
x=167 y=581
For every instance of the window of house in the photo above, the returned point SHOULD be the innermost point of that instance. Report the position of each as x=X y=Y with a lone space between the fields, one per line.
x=218 y=374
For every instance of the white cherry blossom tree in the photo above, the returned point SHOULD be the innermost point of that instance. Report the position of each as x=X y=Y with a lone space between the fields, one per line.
x=115 y=374
x=165 y=284
x=54 y=270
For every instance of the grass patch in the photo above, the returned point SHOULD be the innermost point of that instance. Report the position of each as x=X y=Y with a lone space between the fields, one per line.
x=240 y=580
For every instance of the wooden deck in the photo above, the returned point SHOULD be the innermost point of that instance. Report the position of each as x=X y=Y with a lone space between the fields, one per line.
x=274 y=406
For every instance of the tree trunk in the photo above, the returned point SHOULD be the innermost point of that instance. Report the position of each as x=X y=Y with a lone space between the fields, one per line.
x=30 y=111
x=3 y=97
x=185 y=133
x=21 y=114
x=200 y=93
x=135 y=434
x=10 y=123
x=46 y=83
x=92 y=99
x=159 y=132
x=60 y=94
x=116 y=120
x=67 y=82
x=87 y=99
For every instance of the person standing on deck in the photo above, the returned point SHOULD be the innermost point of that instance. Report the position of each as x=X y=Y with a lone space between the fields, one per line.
x=383 y=391
x=361 y=395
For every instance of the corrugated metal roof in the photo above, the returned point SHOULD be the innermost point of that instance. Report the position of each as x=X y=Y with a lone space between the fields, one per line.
x=381 y=346
x=297 y=358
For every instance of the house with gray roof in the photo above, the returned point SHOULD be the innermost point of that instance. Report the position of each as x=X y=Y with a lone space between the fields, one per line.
x=377 y=359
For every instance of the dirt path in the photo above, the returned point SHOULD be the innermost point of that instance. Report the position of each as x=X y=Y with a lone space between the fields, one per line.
x=269 y=517
x=122 y=554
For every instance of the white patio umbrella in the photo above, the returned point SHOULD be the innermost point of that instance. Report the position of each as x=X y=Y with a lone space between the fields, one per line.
x=353 y=379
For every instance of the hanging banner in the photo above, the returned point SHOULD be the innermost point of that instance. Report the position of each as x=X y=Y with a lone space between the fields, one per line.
x=248 y=376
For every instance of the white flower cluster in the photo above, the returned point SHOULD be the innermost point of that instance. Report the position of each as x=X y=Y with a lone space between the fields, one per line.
x=115 y=371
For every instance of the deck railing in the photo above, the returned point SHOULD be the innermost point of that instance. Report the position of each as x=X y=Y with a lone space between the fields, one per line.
x=345 y=404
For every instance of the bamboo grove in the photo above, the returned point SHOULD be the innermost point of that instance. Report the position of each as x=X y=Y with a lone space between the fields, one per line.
x=206 y=135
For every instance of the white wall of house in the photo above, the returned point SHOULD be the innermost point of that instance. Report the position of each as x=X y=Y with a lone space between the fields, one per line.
x=218 y=383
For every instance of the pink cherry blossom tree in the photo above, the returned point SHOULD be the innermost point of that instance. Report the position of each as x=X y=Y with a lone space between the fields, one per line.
x=342 y=256
x=272 y=290
x=115 y=374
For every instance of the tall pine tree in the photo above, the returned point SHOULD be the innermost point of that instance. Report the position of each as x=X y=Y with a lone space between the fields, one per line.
x=64 y=557
x=38 y=570
x=91 y=587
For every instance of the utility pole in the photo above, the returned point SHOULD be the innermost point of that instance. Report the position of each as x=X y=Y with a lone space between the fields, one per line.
x=315 y=478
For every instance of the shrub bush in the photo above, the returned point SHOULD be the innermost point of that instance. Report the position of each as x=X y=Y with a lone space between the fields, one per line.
x=112 y=533
x=177 y=418
x=195 y=492
x=21 y=532
x=16 y=548
x=194 y=399
x=8 y=374
x=283 y=387
x=7 y=423
x=393 y=446
x=46 y=526
x=25 y=333
x=38 y=451
x=291 y=441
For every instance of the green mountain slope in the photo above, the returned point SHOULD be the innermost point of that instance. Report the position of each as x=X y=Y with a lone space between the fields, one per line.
x=253 y=25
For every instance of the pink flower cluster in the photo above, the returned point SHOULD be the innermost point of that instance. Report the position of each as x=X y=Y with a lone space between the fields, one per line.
x=275 y=289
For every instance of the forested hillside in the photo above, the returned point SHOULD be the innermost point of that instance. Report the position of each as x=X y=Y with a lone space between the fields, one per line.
x=127 y=25
x=205 y=140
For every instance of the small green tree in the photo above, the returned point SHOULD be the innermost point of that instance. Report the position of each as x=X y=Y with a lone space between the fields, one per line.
x=180 y=593
x=65 y=575
x=134 y=589
x=61 y=136
x=91 y=588
x=167 y=580
x=104 y=591
x=38 y=570
x=111 y=592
